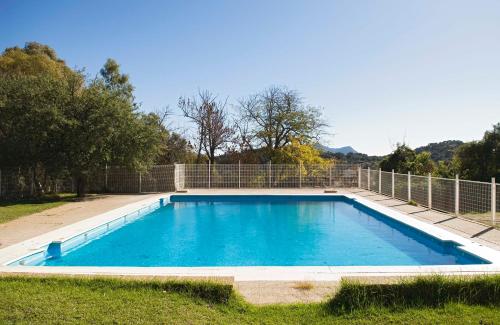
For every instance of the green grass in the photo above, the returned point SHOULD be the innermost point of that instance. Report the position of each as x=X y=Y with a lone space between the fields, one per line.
x=415 y=293
x=414 y=203
x=10 y=210
x=104 y=301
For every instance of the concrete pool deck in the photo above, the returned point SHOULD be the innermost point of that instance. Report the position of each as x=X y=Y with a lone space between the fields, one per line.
x=260 y=285
x=471 y=229
x=32 y=225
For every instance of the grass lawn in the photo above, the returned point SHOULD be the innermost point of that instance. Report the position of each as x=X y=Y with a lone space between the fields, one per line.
x=76 y=300
x=10 y=210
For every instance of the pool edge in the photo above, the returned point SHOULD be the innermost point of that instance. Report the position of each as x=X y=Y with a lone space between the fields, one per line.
x=253 y=273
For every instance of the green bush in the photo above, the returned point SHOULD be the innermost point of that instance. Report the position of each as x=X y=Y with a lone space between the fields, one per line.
x=435 y=291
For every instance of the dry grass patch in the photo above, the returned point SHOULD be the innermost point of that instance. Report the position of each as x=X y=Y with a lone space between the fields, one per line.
x=303 y=285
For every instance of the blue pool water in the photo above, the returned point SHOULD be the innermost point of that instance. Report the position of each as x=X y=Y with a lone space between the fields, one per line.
x=260 y=230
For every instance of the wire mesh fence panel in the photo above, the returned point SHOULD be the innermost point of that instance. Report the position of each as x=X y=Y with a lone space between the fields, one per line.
x=16 y=183
x=344 y=175
x=97 y=182
x=374 y=180
x=401 y=186
x=475 y=200
x=443 y=194
x=315 y=176
x=196 y=176
x=285 y=176
x=386 y=183
x=364 y=179
x=224 y=176
x=60 y=185
x=270 y=176
x=254 y=176
x=122 y=180
x=158 y=179
x=420 y=190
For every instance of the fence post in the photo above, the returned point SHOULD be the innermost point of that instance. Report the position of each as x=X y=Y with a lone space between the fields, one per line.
x=380 y=180
x=176 y=177
x=359 y=176
x=106 y=178
x=457 y=195
x=239 y=173
x=368 y=178
x=409 y=186
x=140 y=182
x=392 y=184
x=32 y=181
x=429 y=191
x=300 y=174
x=209 y=174
x=330 y=176
x=269 y=173
x=493 y=200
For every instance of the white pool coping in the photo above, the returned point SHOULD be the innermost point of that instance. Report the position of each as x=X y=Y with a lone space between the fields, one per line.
x=249 y=273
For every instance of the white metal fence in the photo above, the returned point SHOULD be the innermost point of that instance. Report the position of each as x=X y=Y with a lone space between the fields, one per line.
x=476 y=200
x=479 y=201
x=20 y=184
x=165 y=178
x=266 y=176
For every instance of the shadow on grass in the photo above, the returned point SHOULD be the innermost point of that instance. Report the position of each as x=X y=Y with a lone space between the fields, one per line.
x=49 y=198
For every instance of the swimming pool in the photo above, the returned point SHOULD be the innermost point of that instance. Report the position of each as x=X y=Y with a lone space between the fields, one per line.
x=257 y=230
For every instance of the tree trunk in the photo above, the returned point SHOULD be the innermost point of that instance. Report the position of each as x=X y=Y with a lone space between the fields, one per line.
x=212 y=156
x=81 y=186
x=198 y=156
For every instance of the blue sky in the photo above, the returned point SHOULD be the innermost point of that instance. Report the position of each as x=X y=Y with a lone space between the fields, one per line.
x=384 y=71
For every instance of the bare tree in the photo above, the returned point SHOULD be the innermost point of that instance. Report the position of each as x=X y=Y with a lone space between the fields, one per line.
x=273 y=118
x=163 y=115
x=213 y=129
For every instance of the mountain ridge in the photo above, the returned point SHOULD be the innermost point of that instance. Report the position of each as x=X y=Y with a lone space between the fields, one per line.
x=344 y=150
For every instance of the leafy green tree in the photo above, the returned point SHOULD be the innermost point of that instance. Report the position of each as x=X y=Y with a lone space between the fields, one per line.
x=34 y=59
x=400 y=159
x=479 y=160
x=51 y=118
x=34 y=85
x=31 y=120
x=176 y=150
x=296 y=153
x=445 y=169
x=115 y=80
x=102 y=127
x=422 y=164
x=404 y=159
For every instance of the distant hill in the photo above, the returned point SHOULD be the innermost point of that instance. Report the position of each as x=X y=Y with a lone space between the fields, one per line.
x=343 y=150
x=441 y=150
